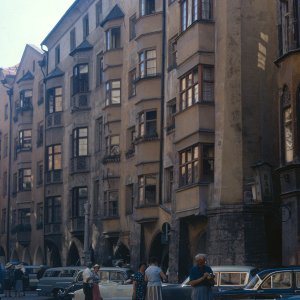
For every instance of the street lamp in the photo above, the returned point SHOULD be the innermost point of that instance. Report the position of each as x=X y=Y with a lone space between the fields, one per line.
x=10 y=94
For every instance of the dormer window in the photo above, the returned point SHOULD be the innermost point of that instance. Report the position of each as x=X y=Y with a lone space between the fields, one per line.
x=113 y=38
x=26 y=99
x=80 y=78
x=147 y=7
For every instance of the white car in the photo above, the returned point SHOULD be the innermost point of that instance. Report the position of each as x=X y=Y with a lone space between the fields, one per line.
x=110 y=290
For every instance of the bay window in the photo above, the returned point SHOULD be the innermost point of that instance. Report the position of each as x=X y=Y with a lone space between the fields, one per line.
x=110 y=204
x=54 y=100
x=147 y=63
x=80 y=78
x=147 y=186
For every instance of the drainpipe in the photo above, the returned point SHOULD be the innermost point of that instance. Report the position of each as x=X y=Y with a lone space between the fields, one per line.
x=10 y=94
x=44 y=64
x=162 y=103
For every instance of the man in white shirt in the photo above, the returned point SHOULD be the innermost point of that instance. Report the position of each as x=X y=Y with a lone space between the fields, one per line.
x=88 y=282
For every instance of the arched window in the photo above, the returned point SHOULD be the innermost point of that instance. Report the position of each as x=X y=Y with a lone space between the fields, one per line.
x=287 y=126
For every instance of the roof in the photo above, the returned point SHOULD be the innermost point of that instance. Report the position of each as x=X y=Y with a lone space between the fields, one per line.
x=84 y=46
x=27 y=76
x=57 y=72
x=115 y=13
x=232 y=268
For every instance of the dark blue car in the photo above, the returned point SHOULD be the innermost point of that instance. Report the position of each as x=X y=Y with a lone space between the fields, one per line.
x=268 y=284
x=2 y=270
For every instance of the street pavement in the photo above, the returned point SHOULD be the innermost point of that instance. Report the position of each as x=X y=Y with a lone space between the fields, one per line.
x=29 y=295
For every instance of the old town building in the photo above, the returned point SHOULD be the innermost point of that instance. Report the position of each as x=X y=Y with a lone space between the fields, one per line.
x=146 y=127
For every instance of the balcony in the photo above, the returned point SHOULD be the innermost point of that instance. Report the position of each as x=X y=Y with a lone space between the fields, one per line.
x=54 y=120
x=53 y=229
x=54 y=176
x=80 y=164
x=145 y=214
x=77 y=225
x=111 y=159
x=80 y=102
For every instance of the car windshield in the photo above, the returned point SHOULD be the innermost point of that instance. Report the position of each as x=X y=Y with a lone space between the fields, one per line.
x=254 y=283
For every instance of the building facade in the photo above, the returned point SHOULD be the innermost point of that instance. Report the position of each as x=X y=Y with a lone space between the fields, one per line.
x=152 y=134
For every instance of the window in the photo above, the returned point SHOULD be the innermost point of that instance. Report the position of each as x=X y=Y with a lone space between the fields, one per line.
x=57 y=55
x=54 y=158
x=196 y=164
x=81 y=78
x=232 y=278
x=96 y=197
x=147 y=124
x=99 y=134
x=25 y=139
x=39 y=173
x=26 y=99
x=5 y=148
x=194 y=89
x=39 y=215
x=283 y=27
x=100 y=72
x=172 y=58
x=287 y=124
x=54 y=100
x=4 y=191
x=113 y=38
x=15 y=184
x=131 y=83
x=79 y=198
x=113 y=92
x=24 y=180
x=147 y=63
x=6 y=112
x=147 y=190
x=193 y=10
x=24 y=216
x=53 y=210
x=80 y=142
x=129 y=199
x=132 y=23
x=171 y=111
x=3 y=220
x=147 y=7
x=40 y=134
x=85 y=23
x=169 y=176
x=113 y=145
x=98 y=12
x=131 y=136
x=111 y=199
x=72 y=39
x=280 y=280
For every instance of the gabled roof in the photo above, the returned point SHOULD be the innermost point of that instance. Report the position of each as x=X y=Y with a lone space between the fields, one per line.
x=115 y=13
x=27 y=76
x=84 y=46
x=57 y=72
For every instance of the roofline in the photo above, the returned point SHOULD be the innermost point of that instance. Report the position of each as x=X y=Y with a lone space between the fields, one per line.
x=44 y=42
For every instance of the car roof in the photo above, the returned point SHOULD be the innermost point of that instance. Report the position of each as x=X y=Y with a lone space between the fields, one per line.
x=271 y=270
x=237 y=268
x=115 y=269
x=66 y=268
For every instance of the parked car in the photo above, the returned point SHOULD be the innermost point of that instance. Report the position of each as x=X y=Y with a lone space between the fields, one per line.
x=55 y=280
x=226 y=277
x=31 y=275
x=2 y=270
x=238 y=275
x=108 y=276
x=267 y=284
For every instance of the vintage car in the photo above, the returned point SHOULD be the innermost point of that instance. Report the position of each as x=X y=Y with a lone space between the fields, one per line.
x=108 y=276
x=268 y=284
x=55 y=280
x=226 y=277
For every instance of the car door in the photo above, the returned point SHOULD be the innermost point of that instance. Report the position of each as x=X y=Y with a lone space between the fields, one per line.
x=297 y=283
x=276 y=285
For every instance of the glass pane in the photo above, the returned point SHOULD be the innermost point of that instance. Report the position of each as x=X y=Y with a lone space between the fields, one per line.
x=151 y=115
x=83 y=132
x=57 y=149
x=230 y=278
x=115 y=96
x=183 y=84
x=151 y=54
x=58 y=91
x=57 y=162
x=115 y=140
x=83 y=69
x=116 y=84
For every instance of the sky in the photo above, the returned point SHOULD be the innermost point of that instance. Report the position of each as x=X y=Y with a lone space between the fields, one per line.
x=26 y=22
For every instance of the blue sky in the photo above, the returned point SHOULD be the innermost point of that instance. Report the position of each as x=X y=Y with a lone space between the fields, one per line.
x=26 y=22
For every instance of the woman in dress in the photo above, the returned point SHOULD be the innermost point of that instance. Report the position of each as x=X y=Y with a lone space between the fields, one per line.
x=153 y=276
x=96 y=279
x=201 y=278
x=139 y=283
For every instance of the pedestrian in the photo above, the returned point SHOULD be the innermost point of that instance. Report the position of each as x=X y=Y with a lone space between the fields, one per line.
x=88 y=282
x=18 y=280
x=201 y=279
x=139 y=283
x=8 y=279
x=96 y=280
x=153 y=276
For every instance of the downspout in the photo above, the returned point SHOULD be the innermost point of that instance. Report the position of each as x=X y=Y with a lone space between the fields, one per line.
x=162 y=104
x=42 y=65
